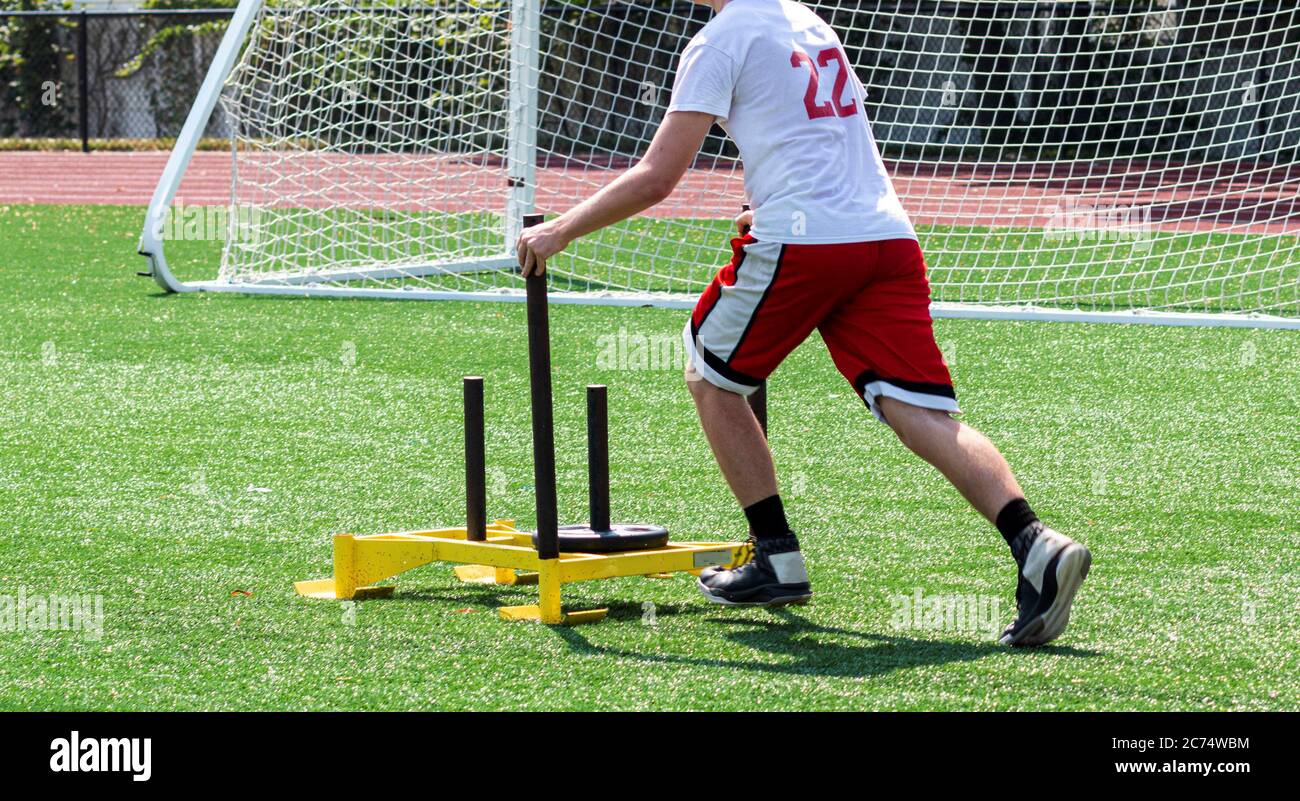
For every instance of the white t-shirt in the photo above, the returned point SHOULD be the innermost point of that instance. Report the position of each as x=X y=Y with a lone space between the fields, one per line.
x=777 y=79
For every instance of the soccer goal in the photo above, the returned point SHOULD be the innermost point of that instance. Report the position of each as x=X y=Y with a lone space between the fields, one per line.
x=1060 y=160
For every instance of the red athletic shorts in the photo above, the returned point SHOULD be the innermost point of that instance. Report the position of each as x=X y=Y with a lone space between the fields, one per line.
x=869 y=300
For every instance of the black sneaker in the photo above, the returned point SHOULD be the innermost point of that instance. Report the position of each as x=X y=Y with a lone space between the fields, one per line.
x=1052 y=566
x=774 y=577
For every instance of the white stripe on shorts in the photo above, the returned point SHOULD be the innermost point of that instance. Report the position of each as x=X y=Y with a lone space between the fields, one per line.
x=725 y=325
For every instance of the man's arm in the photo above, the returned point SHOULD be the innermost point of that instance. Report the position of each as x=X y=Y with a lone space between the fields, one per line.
x=652 y=179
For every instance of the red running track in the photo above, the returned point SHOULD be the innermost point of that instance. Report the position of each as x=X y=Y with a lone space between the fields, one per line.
x=1241 y=196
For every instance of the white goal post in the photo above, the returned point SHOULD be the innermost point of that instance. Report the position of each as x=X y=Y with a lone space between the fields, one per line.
x=1133 y=162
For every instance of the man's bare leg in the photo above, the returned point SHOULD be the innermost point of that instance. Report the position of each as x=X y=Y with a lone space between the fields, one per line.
x=1051 y=565
x=777 y=575
x=965 y=456
x=736 y=439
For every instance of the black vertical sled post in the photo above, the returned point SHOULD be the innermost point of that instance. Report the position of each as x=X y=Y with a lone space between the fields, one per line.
x=599 y=535
x=475 y=462
x=598 y=456
x=539 y=373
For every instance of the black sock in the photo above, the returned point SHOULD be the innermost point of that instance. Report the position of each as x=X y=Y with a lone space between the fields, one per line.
x=1014 y=518
x=767 y=518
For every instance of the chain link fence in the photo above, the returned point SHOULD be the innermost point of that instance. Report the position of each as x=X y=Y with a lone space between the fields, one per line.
x=104 y=75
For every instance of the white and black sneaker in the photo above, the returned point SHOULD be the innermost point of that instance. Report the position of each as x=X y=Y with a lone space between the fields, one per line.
x=776 y=576
x=1052 y=566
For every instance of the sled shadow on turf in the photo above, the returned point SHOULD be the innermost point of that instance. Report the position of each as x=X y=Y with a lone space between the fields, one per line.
x=795 y=639
x=803 y=646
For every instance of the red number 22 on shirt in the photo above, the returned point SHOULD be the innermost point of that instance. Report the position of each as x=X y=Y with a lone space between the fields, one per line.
x=832 y=107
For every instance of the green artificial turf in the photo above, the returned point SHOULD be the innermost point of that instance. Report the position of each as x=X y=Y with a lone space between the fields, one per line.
x=187 y=457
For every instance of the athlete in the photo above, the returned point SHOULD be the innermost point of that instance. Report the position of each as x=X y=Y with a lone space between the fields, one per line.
x=827 y=246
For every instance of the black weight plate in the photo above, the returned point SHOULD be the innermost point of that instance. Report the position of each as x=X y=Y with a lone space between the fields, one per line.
x=621 y=537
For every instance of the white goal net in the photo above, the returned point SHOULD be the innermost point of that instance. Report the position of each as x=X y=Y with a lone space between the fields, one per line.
x=1072 y=159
